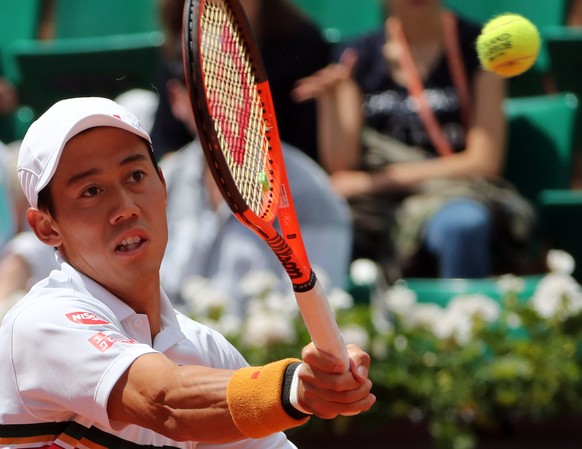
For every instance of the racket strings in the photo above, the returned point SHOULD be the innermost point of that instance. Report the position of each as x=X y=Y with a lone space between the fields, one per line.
x=236 y=105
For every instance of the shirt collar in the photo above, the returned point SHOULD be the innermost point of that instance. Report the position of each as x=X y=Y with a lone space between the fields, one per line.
x=170 y=332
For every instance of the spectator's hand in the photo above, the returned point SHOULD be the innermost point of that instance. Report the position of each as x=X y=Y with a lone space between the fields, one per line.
x=328 y=390
x=326 y=79
x=348 y=184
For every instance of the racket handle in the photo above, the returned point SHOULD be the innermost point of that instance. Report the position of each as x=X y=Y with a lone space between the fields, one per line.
x=320 y=321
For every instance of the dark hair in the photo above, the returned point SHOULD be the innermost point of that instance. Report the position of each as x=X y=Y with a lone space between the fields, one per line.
x=45 y=200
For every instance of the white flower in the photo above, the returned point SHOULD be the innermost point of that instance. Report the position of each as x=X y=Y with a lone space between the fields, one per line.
x=454 y=324
x=379 y=349
x=429 y=358
x=513 y=320
x=279 y=303
x=460 y=315
x=510 y=283
x=228 y=325
x=202 y=299
x=400 y=343
x=340 y=299
x=264 y=328
x=559 y=261
x=258 y=283
x=363 y=272
x=476 y=306
x=557 y=295
x=356 y=335
x=426 y=316
x=400 y=300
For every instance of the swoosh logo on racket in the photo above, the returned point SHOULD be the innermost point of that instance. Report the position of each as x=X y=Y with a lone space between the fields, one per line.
x=234 y=132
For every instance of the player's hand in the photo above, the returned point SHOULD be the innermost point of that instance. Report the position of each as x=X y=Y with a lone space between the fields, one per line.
x=327 y=79
x=327 y=389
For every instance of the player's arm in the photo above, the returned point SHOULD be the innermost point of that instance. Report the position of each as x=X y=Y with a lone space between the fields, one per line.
x=181 y=402
x=197 y=403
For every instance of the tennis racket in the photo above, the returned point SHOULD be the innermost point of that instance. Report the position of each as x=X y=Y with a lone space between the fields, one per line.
x=236 y=124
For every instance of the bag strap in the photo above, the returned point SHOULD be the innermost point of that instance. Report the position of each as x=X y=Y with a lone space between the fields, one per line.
x=416 y=88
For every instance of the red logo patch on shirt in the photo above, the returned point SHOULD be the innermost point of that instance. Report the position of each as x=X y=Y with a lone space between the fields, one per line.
x=85 y=318
x=103 y=342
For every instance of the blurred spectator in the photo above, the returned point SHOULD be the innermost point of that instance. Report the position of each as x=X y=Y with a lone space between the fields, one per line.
x=167 y=133
x=206 y=240
x=8 y=97
x=574 y=17
x=24 y=260
x=7 y=220
x=292 y=48
x=8 y=92
x=413 y=134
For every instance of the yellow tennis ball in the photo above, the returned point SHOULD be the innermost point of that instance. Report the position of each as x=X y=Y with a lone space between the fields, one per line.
x=508 y=45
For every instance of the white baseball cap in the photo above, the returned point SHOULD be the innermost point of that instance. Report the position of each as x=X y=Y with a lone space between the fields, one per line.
x=44 y=141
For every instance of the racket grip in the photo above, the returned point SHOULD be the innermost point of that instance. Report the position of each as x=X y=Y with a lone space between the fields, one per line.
x=319 y=319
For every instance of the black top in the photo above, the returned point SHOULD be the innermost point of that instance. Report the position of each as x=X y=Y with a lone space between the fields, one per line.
x=289 y=54
x=389 y=109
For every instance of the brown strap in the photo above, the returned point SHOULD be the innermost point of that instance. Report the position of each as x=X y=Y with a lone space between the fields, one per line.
x=416 y=87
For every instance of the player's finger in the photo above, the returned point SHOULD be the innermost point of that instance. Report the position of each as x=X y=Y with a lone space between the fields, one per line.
x=328 y=409
x=333 y=382
x=322 y=361
x=339 y=395
x=359 y=362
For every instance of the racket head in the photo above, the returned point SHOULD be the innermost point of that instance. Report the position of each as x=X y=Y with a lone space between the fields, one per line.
x=236 y=124
x=233 y=109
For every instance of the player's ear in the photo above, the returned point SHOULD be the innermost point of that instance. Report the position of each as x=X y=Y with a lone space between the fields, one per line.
x=43 y=225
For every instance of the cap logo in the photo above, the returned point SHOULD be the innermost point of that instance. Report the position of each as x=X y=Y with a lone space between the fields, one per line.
x=117 y=116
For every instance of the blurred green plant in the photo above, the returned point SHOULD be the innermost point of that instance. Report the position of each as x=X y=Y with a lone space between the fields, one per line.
x=465 y=368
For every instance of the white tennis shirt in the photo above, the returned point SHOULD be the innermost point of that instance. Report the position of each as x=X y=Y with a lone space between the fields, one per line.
x=64 y=346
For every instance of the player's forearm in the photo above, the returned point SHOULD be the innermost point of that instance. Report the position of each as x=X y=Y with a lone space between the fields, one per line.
x=181 y=402
x=197 y=406
x=196 y=403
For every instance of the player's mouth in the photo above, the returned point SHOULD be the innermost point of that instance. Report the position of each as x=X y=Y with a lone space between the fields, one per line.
x=130 y=244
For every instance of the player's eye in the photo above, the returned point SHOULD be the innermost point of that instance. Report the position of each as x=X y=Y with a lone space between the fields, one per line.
x=90 y=191
x=137 y=176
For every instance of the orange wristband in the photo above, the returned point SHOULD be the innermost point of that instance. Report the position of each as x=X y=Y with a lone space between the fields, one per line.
x=258 y=399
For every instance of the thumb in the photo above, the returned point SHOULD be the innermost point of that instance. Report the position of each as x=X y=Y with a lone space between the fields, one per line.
x=349 y=59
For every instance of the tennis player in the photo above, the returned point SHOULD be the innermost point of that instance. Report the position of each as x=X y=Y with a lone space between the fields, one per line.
x=95 y=355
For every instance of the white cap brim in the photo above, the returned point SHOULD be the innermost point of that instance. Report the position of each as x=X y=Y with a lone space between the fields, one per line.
x=46 y=138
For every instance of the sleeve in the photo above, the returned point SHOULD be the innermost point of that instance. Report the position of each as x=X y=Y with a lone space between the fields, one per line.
x=68 y=357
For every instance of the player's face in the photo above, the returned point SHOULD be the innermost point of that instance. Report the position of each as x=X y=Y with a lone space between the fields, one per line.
x=109 y=204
